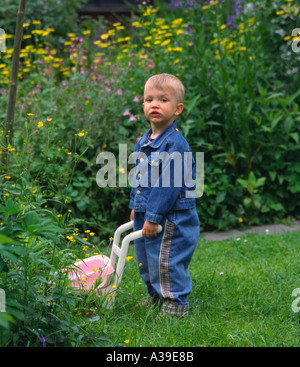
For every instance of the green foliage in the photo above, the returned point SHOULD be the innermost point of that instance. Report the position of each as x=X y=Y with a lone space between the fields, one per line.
x=41 y=310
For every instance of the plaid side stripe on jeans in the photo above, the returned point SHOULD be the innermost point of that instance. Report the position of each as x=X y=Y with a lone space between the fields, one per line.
x=164 y=260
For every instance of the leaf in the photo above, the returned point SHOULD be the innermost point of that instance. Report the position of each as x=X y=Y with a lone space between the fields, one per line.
x=272 y=175
x=247 y=201
x=193 y=103
x=261 y=181
x=4 y=239
x=213 y=123
x=275 y=122
x=220 y=196
x=288 y=123
x=10 y=208
x=252 y=179
x=295 y=136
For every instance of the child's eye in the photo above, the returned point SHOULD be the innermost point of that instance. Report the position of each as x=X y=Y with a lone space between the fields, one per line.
x=164 y=100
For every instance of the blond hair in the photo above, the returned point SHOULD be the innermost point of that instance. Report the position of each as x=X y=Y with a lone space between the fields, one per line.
x=167 y=80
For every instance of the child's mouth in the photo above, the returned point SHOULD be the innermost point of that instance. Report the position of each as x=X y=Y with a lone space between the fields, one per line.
x=155 y=114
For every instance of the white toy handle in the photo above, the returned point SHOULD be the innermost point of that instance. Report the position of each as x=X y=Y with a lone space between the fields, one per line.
x=137 y=234
x=122 y=251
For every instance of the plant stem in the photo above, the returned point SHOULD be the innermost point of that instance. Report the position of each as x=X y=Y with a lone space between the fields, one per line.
x=8 y=131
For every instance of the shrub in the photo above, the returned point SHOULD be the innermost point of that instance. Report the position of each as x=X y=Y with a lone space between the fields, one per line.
x=240 y=105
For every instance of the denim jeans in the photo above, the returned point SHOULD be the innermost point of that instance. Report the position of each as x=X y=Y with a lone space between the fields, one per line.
x=163 y=260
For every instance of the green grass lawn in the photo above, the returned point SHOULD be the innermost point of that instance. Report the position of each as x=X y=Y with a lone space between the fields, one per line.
x=242 y=296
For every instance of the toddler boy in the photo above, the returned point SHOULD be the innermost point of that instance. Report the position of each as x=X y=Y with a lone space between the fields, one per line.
x=161 y=195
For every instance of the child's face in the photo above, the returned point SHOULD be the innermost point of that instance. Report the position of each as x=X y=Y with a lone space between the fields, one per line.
x=161 y=106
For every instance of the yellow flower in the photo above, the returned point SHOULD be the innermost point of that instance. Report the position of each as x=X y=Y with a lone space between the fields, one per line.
x=7 y=177
x=136 y=24
x=30 y=114
x=110 y=238
x=223 y=26
x=166 y=42
x=7 y=194
x=149 y=11
x=26 y=25
x=114 y=286
x=214 y=41
x=126 y=341
x=87 y=231
x=36 y=22
x=80 y=134
x=59 y=215
x=240 y=220
x=40 y=124
x=69 y=153
x=92 y=234
x=128 y=258
x=177 y=21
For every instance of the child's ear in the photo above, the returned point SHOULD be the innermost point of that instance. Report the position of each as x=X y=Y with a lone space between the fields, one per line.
x=179 y=109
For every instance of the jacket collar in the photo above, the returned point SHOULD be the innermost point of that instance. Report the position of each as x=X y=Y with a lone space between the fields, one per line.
x=157 y=141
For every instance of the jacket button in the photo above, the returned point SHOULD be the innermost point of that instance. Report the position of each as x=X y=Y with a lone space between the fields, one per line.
x=138 y=192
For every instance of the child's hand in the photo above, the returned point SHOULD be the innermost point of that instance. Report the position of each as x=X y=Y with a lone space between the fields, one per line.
x=131 y=214
x=149 y=229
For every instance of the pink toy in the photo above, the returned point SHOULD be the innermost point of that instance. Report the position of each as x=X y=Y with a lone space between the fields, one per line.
x=85 y=273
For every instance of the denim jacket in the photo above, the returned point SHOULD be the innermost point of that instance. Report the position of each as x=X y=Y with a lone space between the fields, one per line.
x=164 y=177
